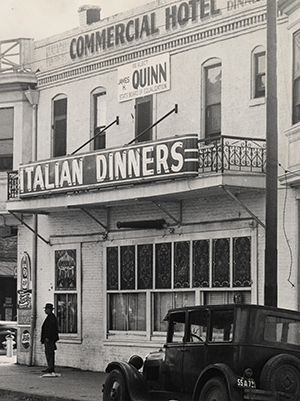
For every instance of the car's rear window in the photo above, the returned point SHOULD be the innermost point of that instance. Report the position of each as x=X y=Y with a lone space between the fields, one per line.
x=282 y=330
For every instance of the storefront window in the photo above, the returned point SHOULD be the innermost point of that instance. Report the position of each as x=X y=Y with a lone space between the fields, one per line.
x=66 y=290
x=127 y=312
x=144 y=280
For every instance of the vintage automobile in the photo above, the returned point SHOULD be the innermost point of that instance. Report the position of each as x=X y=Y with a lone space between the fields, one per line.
x=216 y=353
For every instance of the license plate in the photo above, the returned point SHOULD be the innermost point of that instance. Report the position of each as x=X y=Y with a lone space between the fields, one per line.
x=245 y=383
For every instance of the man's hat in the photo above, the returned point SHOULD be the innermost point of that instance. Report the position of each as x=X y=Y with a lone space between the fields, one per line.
x=48 y=306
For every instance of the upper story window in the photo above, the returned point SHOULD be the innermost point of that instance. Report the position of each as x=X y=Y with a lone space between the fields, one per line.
x=59 y=145
x=296 y=78
x=143 y=118
x=213 y=94
x=6 y=138
x=99 y=117
x=259 y=72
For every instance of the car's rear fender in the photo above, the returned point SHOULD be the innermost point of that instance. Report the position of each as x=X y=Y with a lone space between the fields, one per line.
x=219 y=370
x=135 y=381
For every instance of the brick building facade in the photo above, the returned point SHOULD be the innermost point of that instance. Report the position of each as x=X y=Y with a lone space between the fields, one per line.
x=141 y=184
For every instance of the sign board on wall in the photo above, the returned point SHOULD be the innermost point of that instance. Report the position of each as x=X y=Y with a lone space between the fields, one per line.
x=147 y=161
x=144 y=77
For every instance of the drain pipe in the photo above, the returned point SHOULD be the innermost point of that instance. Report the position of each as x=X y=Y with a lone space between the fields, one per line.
x=32 y=96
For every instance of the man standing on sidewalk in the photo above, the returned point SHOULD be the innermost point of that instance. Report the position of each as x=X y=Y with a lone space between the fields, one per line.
x=49 y=336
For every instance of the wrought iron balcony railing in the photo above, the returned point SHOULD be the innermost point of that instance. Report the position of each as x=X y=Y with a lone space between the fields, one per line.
x=222 y=153
x=216 y=155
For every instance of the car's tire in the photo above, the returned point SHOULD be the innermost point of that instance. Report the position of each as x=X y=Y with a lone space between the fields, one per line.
x=214 y=390
x=115 y=388
x=281 y=373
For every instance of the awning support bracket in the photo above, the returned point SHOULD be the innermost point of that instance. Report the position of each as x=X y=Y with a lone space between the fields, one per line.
x=30 y=228
x=243 y=206
x=101 y=132
x=94 y=218
x=168 y=213
x=175 y=110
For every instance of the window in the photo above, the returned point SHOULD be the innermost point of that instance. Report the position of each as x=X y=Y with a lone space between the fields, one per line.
x=145 y=280
x=259 y=72
x=59 y=126
x=213 y=91
x=221 y=327
x=143 y=118
x=296 y=78
x=99 y=117
x=176 y=327
x=6 y=138
x=197 y=326
x=67 y=291
x=281 y=330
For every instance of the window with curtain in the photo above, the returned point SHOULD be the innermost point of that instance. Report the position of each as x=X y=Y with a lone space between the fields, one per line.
x=67 y=289
x=213 y=94
x=145 y=280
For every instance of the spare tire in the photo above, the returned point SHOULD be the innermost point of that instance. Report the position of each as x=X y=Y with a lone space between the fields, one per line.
x=281 y=373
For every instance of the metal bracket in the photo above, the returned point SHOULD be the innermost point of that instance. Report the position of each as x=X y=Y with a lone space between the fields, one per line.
x=30 y=228
x=94 y=218
x=243 y=206
x=168 y=213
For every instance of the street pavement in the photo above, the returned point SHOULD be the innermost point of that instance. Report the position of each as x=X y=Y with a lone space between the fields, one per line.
x=22 y=382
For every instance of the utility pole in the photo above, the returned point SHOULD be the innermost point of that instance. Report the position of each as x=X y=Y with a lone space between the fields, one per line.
x=271 y=274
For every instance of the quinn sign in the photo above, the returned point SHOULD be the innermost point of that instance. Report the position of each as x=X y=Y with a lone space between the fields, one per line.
x=144 y=77
x=169 y=158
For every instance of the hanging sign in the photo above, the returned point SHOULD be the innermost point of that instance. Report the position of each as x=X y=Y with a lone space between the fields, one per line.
x=147 y=161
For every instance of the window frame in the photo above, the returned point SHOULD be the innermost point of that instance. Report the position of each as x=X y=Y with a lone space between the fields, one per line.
x=147 y=136
x=57 y=151
x=206 y=66
x=197 y=293
x=69 y=337
x=6 y=159
x=295 y=80
x=100 y=141
x=255 y=95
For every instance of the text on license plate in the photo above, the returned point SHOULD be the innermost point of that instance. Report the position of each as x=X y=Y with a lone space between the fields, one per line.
x=245 y=383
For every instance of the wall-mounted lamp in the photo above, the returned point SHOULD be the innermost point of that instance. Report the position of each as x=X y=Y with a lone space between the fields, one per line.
x=33 y=96
x=143 y=224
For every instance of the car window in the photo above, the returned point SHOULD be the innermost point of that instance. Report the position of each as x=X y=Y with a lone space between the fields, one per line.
x=282 y=330
x=176 y=327
x=221 y=325
x=197 y=326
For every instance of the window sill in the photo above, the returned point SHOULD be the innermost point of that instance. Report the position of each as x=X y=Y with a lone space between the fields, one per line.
x=257 y=101
x=69 y=340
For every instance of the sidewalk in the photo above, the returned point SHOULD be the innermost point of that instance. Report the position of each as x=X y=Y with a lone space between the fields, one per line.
x=26 y=383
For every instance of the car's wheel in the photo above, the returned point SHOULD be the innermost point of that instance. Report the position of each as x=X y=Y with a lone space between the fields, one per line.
x=115 y=387
x=214 y=390
x=281 y=373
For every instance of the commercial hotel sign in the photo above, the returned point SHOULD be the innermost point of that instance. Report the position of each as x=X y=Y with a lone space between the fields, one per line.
x=150 y=161
x=162 y=21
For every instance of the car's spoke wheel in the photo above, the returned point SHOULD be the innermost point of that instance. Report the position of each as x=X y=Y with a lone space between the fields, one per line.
x=281 y=373
x=115 y=387
x=214 y=390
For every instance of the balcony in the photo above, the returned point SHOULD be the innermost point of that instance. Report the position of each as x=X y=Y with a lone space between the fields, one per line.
x=205 y=165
